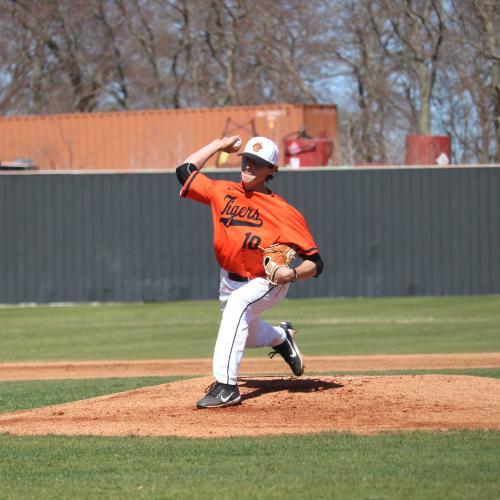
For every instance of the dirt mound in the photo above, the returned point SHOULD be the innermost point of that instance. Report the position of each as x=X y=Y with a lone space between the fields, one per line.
x=277 y=405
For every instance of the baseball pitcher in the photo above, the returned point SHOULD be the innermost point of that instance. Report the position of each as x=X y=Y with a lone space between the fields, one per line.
x=256 y=235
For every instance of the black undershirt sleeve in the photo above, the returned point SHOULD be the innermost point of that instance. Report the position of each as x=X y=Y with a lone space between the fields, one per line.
x=184 y=171
x=316 y=258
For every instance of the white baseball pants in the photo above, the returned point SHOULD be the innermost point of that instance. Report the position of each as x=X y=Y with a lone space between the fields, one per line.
x=242 y=303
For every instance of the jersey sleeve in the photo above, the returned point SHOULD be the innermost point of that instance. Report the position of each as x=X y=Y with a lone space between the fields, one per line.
x=296 y=232
x=198 y=187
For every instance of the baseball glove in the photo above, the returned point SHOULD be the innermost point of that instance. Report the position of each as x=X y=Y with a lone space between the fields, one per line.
x=276 y=256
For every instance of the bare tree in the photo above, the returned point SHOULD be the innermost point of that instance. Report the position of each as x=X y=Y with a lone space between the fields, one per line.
x=22 y=49
x=357 y=57
x=288 y=50
x=256 y=52
x=61 y=64
x=384 y=61
x=411 y=35
x=116 y=64
x=474 y=35
x=220 y=27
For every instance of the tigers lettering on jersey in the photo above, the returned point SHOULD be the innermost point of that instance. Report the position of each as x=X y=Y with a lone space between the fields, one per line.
x=243 y=222
x=239 y=215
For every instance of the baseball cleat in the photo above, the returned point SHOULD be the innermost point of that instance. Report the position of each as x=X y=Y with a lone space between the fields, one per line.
x=219 y=395
x=289 y=350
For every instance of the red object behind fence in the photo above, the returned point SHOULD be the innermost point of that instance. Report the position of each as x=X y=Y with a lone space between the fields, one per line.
x=428 y=150
x=304 y=152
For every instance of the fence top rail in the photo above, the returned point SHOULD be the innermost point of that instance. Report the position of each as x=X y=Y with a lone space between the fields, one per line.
x=235 y=169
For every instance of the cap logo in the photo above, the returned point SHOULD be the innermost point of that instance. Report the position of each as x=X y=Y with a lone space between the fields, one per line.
x=257 y=147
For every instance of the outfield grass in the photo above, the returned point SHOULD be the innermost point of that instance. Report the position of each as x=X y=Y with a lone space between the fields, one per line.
x=413 y=465
x=188 y=329
x=27 y=394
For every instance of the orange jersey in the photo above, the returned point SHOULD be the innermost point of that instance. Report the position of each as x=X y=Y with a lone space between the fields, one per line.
x=244 y=221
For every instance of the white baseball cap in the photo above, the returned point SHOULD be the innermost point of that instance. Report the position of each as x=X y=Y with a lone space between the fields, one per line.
x=261 y=150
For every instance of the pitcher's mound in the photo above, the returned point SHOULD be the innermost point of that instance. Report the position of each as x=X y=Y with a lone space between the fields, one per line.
x=277 y=405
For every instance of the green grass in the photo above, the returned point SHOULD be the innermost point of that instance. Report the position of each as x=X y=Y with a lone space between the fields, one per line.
x=457 y=465
x=20 y=395
x=188 y=329
x=398 y=325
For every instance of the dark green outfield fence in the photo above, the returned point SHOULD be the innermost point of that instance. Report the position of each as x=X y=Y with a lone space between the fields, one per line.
x=128 y=237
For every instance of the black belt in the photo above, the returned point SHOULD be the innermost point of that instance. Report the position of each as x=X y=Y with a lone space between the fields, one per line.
x=236 y=277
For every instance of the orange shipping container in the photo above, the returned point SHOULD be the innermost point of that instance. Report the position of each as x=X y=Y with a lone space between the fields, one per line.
x=153 y=139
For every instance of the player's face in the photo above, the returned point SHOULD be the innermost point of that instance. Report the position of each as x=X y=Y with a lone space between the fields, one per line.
x=254 y=175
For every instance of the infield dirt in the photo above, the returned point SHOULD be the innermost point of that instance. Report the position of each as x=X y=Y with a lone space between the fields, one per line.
x=279 y=405
x=261 y=366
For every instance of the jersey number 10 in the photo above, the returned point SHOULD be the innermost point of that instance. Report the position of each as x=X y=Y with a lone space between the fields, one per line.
x=251 y=241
